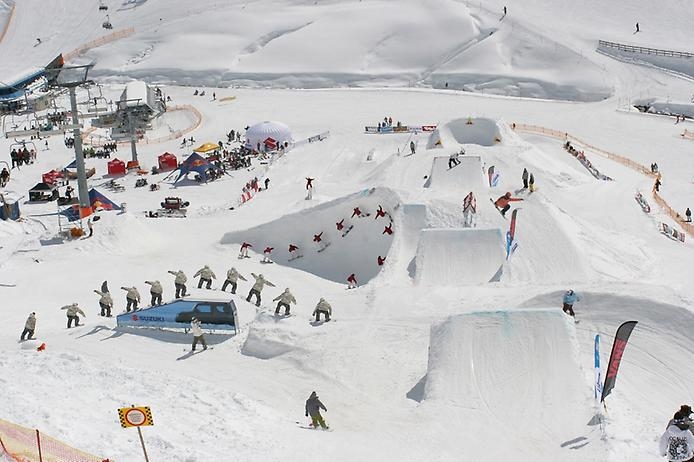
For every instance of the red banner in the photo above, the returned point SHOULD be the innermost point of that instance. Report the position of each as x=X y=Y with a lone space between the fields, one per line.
x=620 y=343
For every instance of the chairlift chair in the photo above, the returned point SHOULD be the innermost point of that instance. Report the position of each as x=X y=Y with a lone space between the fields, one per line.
x=107 y=23
x=103 y=6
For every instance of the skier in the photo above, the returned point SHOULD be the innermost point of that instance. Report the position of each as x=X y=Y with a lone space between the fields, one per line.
x=388 y=229
x=285 y=298
x=352 y=281
x=688 y=214
x=132 y=296
x=570 y=297
x=232 y=278
x=469 y=210
x=317 y=237
x=381 y=260
x=531 y=183
x=206 y=276
x=260 y=282
x=380 y=213
x=323 y=307
x=244 y=250
x=105 y=302
x=340 y=224
x=266 y=254
x=196 y=329
x=313 y=407
x=677 y=443
x=502 y=203
x=453 y=160
x=524 y=177
x=72 y=311
x=412 y=147
x=180 y=283
x=29 y=327
x=505 y=11
x=156 y=292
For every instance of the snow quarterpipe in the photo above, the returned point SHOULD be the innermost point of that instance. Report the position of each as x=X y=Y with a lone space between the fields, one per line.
x=515 y=374
x=484 y=132
x=466 y=176
x=459 y=256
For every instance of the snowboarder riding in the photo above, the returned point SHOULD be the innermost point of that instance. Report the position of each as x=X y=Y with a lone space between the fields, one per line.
x=284 y=300
x=206 y=276
x=570 y=297
x=196 y=328
x=503 y=203
x=323 y=307
x=260 y=282
x=266 y=254
x=352 y=281
x=132 y=297
x=232 y=278
x=72 y=311
x=244 y=250
x=313 y=407
x=156 y=292
x=105 y=302
x=180 y=283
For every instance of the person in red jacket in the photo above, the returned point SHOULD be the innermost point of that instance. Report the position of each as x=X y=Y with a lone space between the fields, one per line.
x=380 y=212
x=381 y=260
x=317 y=237
x=357 y=213
x=352 y=281
x=244 y=250
x=503 y=203
x=388 y=229
x=266 y=254
x=309 y=182
x=340 y=224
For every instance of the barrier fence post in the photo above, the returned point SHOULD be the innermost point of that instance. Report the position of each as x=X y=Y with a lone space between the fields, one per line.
x=38 y=444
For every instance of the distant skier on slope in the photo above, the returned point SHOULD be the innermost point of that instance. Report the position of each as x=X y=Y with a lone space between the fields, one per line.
x=357 y=213
x=293 y=251
x=570 y=297
x=243 y=253
x=206 y=276
x=380 y=213
x=232 y=279
x=284 y=300
x=388 y=229
x=339 y=225
x=503 y=203
x=313 y=407
x=352 y=281
x=180 y=282
x=260 y=282
x=677 y=443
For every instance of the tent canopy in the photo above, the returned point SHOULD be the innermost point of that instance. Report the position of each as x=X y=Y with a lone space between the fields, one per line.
x=116 y=167
x=259 y=133
x=195 y=163
x=207 y=147
x=96 y=200
x=167 y=161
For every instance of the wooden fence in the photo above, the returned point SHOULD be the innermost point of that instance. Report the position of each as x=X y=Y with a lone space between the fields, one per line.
x=644 y=50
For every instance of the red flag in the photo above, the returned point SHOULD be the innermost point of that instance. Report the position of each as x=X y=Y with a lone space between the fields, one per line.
x=620 y=343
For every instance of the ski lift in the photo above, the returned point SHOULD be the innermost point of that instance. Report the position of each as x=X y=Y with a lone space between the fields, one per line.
x=103 y=6
x=107 y=23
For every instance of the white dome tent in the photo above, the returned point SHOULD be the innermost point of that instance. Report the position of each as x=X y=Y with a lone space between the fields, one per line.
x=268 y=134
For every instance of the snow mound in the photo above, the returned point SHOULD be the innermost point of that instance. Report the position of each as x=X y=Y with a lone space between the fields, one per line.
x=357 y=252
x=484 y=132
x=459 y=256
x=466 y=176
x=271 y=336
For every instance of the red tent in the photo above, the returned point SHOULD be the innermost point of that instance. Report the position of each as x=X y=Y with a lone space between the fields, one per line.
x=51 y=177
x=167 y=161
x=116 y=167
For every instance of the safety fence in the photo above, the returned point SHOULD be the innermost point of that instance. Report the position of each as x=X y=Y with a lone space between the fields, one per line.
x=644 y=50
x=7 y=23
x=21 y=444
x=112 y=37
x=672 y=213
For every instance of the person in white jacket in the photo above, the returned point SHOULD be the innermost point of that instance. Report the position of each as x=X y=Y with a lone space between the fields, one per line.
x=156 y=292
x=29 y=327
x=677 y=443
x=323 y=307
x=72 y=311
x=206 y=276
x=285 y=299
x=180 y=282
x=132 y=297
x=232 y=279
x=260 y=282
x=105 y=302
x=195 y=327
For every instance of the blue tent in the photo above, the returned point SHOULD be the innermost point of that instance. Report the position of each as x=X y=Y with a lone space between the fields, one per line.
x=96 y=200
x=195 y=163
x=72 y=165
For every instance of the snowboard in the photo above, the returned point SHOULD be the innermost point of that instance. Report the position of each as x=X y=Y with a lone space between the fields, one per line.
x=294 y=258
x=642 y=202
x=497 y=208
x=309 y=426
x=241 y=257
x=281 y=315
x=346 y=231
x=266 y=262
x=315 y=323
x=324 y=247
x=451 y=168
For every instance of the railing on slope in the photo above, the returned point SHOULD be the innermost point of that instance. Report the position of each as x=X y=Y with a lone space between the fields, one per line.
x=644 y=50
x=688 y=227
x=112 y=37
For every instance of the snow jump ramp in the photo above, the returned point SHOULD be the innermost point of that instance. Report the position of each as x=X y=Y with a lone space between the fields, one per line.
x=481 y=131
x=459 y=256
x=466 y=176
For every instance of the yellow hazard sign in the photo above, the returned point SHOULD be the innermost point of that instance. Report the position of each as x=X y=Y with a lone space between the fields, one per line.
x=135 y=416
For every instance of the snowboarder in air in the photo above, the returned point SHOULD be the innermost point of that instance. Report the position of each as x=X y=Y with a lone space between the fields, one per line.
x=352 y=281
x=132 y=297
x=105 y=302
x=156 y=291
x=469 y=210
x=570 y=297
x=72 y=314
x=503 y=203
x=313 y=407
x=29 y=327
x=293 y=250
x=244 y=250
x=524 y=177
x=688 y=215
x=260 y=282
x=380 y=213
x=381 y=260
x=284 y=300
x=232 y=279
x=357 y=213
x=412 y=147
x=266 y=254
x=317 y=237
x=339 y=225
x=196 y=329
x=388 y=229
x=206 y=276
x=180 y=283
x=324 y=308
x=309 y=188
x=677 y=443
x=453 y=160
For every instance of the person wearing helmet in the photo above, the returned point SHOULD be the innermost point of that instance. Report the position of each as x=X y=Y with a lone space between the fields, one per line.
x=260 y=282
x=206 y=276
x=503 y=203
x=570 y=297
x=285 y=299
x=323 y=307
